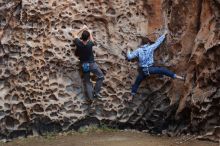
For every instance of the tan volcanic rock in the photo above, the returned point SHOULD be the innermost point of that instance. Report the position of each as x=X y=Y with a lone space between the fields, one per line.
x=40 y=82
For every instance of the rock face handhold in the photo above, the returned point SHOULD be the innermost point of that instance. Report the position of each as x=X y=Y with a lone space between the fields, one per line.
x=41 y=88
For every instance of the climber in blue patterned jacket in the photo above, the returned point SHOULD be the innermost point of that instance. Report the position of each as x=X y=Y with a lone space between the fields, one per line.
x=145 y=55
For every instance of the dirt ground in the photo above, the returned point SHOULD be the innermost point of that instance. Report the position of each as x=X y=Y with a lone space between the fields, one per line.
x=107 y=139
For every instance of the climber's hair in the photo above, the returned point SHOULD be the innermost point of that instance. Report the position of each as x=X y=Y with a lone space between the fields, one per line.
x=85 y=35
x=145 y=40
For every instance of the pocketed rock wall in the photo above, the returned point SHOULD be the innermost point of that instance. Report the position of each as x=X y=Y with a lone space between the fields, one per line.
x=40 y=80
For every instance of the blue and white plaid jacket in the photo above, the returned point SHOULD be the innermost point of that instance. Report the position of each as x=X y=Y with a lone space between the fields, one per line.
x=145 y=53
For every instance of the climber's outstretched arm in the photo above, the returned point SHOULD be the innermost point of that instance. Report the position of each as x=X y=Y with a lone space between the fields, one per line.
x=158 y=42
x=76 y=33
x=91 y=36
x=133 y=54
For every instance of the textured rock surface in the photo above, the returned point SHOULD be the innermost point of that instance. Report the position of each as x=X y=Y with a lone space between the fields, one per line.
x=40 y=84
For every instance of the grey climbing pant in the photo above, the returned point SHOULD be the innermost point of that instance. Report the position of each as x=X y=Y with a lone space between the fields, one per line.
x=93 y=68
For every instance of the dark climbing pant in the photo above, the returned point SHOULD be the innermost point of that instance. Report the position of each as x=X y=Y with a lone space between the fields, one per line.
x=93 y=68
x=146 y=71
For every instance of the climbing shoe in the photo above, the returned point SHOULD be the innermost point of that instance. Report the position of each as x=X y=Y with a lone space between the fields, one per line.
x=95 y=96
